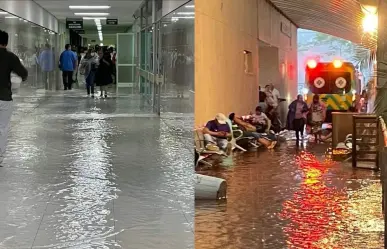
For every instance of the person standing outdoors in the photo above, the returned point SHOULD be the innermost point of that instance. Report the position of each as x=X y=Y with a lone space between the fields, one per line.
x=317 y=115
x=68 y=62
x=296 y=119
x=9 y=63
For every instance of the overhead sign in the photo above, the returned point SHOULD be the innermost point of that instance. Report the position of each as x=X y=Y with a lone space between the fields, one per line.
x=74 y=23
x=111 y=21
x=80 y=31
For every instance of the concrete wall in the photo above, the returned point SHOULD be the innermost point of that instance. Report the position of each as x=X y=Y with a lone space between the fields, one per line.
x=276 y=30
x=223 y=30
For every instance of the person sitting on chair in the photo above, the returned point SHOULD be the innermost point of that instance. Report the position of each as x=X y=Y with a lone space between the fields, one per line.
x=262 y=123
x=216 y=133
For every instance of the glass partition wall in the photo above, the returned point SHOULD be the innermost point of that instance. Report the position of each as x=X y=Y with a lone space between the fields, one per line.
x=164 y=55
x=28 y=41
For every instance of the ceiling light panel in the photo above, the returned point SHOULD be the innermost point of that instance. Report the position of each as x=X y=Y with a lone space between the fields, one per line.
x=92 y=14
x=94 y=18
x=85 y=7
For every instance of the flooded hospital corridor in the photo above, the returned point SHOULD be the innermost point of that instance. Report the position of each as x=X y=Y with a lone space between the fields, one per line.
x=291 y=198
x=93 y=173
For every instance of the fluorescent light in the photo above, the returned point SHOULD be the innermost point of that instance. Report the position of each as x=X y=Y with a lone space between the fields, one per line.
x=99 y=28
x=3 y=13
x=94 y=18
x=11 y=17
x=80 y=7
x=186 y=13
x=92 y=14
x=182 y=17
x=190 y=6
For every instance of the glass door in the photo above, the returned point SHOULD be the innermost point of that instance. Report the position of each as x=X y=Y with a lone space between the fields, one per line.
x=126 y=64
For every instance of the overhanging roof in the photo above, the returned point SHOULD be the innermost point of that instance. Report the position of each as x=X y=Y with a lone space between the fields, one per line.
x=341 y=18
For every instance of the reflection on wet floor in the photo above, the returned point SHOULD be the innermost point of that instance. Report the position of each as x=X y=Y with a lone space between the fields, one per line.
x=92 y=173
x=291 y=198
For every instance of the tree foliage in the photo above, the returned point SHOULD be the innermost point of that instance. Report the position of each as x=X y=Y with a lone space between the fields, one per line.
x=358 y=55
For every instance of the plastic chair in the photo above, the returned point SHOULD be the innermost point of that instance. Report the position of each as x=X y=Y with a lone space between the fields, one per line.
x=200 y=148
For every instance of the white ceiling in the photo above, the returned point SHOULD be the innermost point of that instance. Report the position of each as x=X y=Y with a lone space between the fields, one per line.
x=121 y=9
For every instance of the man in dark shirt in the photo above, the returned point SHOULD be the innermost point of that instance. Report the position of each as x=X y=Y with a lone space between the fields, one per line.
x=262 y=99
x=217 y=131
x=9 y=63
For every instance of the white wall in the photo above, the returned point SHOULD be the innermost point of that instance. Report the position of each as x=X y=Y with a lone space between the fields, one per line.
x=32 y=12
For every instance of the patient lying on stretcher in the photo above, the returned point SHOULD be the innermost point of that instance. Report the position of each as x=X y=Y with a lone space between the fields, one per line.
x=250 y=130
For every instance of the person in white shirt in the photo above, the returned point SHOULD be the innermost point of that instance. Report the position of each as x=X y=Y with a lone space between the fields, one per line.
x=272 y=96
x=260 y=120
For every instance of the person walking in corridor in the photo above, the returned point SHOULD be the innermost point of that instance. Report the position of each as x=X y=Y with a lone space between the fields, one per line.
x=68 y=62
x=46 y=63
x=9 y=63
x=88 y=67
x=104 y=73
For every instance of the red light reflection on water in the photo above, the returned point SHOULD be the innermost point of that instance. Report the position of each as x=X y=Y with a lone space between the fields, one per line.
x=315 y=209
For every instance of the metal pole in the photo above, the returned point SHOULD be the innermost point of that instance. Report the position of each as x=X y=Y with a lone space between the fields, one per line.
x=154 y=57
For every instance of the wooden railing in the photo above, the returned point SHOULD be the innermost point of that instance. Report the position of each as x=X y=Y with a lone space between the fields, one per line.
x=383 y=171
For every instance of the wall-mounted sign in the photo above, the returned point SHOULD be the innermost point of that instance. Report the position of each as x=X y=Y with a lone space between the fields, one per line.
x=285 y=29
x=111 y=21
x=74 y=23
x=80 y=31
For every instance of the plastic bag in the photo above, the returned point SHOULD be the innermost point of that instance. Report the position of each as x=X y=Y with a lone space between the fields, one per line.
x=15 y=81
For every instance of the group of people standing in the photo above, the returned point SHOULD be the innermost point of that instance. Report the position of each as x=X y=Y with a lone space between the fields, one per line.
x=96 y=68
x=301 y=115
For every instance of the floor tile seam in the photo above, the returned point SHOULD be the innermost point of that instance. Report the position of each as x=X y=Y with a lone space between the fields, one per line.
x=40 y=223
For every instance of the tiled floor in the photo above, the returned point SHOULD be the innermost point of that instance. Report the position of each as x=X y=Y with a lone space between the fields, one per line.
x=83 y=173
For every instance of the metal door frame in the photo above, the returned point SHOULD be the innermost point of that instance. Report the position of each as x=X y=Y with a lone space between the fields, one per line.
x=133 y=64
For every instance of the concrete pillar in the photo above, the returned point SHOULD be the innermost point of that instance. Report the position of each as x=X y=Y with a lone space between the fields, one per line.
x=381 y=53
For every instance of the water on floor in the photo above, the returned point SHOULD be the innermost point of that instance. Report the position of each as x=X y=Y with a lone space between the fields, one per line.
x=83 y=173
x=291 y=198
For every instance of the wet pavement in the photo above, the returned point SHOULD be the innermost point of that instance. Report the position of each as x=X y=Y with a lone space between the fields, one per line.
x=291 y=198
x=94 y=173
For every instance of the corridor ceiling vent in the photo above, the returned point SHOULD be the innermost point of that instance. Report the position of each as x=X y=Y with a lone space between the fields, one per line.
x=346 y=19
